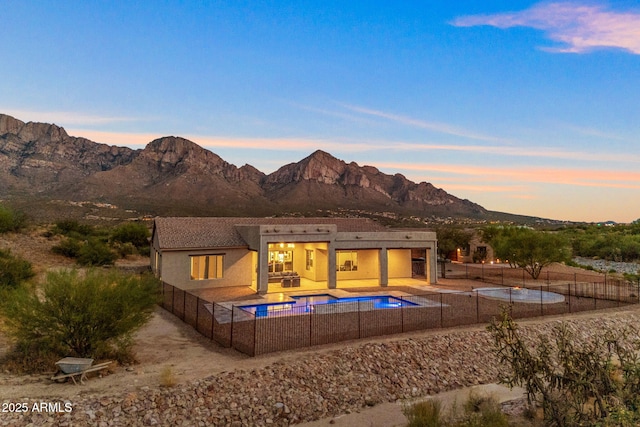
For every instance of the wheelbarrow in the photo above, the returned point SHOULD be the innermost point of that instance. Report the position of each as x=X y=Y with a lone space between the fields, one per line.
x=76 y=367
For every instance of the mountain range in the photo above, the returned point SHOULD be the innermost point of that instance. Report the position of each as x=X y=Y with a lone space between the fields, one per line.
x=173 y=176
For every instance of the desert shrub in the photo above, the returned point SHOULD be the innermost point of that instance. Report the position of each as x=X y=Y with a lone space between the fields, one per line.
x=425 y=414
x=94 y=253
x=135 y=233
x=592 y=382
x=124 y=249
x=479 y=411
x=91 y=315
x=482 y=411
x=73 y=228
x=68 y=247
x=13 y=270
x=11 y=220
x=167 y=377
x=144 y=250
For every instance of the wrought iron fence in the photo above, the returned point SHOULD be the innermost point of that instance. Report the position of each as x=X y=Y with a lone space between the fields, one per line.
x=310 y=325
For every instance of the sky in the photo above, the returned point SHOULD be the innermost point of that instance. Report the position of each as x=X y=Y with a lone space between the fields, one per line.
x=524 y=107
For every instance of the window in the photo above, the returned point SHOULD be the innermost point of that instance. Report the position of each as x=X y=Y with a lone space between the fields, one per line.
x=206 y=267
x=309 y=259
x=280 y=259
x=346 y=261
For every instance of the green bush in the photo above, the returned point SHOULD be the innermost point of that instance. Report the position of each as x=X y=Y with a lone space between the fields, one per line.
x=13 y=270
x=11 y=220
x=69 y=247
x=135 y=233
x=73 y=228
x=91 y=315
x=95 y=253
x=124 y=249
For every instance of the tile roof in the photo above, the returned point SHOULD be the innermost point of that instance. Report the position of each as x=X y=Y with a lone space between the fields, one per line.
x=210 y=232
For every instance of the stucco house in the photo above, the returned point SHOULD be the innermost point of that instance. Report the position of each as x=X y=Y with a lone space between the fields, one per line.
x=275 y=253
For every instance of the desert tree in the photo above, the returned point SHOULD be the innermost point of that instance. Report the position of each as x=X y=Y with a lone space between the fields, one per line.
x=529 y=249
x=451 y=238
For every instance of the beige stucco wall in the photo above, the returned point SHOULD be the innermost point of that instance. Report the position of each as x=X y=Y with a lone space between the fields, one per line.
x=368 y=267
x=322 y=258
x=237 y=267
x=399 y=263
x=318 y=270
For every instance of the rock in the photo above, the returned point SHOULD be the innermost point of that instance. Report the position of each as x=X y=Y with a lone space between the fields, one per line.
x=335 y=382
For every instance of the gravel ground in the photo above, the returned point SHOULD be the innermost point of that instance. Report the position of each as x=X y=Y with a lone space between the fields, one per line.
x=605 y=266
x=313 y=387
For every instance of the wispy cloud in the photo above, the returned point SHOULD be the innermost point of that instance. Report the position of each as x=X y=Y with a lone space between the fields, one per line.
x=578 y=27
x=67 y=117
x=521 y=176
x=423 y=124
x=539 y=152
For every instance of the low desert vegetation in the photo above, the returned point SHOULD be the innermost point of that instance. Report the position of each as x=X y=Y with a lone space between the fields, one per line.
x=570 y=381
x=11 y=220
x=82 y=314
x=477 y=411
x=96 y=246
x=14 y=270
x=616 y=243
x=587 y=382
x=167 y=377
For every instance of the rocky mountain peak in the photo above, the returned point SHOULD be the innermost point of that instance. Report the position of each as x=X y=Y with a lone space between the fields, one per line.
x=179 y=155
x=175 y=150
x=322 y=167
x=319 y=167
x=9 y=124
x=31 y=131
x=42 y=159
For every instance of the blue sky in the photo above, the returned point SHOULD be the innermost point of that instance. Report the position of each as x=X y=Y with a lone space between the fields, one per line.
x=521 y=106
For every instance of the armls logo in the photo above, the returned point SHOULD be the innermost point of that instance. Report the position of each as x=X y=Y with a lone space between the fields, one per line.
x=52 y=407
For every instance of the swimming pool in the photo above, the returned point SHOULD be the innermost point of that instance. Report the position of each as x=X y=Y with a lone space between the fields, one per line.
x=521 y=295
x=302 y=304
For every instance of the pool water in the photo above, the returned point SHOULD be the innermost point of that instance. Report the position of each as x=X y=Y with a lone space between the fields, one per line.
x=306 y=304
x=533 y=296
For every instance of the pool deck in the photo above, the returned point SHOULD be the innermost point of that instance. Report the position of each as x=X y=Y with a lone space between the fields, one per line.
x=406 y=286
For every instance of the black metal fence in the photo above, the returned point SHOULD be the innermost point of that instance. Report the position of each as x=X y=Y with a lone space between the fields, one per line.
x=296 y=327
x=502 y=274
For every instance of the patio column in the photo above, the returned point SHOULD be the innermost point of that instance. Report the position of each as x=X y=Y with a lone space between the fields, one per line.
x=383 y=261
x=263 y=268
x=331 y=266
x=427 y=266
